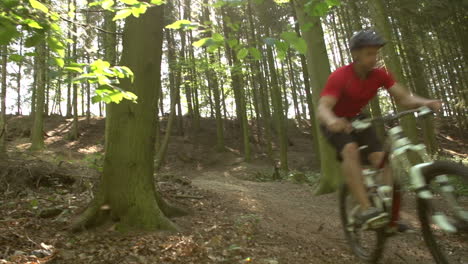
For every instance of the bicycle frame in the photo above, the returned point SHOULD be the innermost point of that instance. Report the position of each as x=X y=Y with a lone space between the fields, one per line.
x=396 y=157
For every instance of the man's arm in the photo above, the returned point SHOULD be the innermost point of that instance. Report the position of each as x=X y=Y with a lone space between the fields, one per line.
x=325 y=113
x=407 y=100
x=326 y=116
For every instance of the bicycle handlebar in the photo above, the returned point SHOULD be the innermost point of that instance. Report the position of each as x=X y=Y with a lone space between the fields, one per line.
x=360 y=124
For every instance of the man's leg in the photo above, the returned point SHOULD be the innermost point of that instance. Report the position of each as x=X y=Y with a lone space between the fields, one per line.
x=352 y=171
x=376 y=159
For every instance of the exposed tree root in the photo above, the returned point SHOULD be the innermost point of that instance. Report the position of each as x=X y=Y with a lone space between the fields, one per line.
x=168 y=209
x=99 y=213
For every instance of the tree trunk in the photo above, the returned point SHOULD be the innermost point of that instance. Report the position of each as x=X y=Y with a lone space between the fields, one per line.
x=319 y=70
x=375 y=102
x=69 y=75
x=127 y=192
x=18 y=79
x=391 y=58
x=236 y=76
x=3 y=125
x=162 y=149
x=310 y=103
x=278 y=115
x=38 y=126
x=74 y=129
x=258 y=75
x=294 y=90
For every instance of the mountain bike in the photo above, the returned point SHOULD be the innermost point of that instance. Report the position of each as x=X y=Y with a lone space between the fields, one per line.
x=441 y=189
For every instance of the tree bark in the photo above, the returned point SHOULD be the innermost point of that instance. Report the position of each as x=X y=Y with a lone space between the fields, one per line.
x=38 y=126
x=319 y=70
x=3 y=121
x=127 y=193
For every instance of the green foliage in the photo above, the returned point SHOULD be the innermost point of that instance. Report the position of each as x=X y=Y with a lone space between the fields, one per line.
x=184 y=25
x=295 y=41
x=36 y=22
x=131 y=7
x=242 y=53
x=320 y=7
x=107 y=78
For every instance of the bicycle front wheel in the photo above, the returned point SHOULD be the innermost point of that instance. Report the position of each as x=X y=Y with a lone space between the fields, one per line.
x=444 y=217
x=368 y=244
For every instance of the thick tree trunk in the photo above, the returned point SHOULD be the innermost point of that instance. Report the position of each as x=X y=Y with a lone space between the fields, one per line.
x=391 y=58
x=319 y=70
x=127 y=193
x=308 y=92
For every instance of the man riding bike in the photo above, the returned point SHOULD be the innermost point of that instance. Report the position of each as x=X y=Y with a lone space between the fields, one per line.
x=347 y=91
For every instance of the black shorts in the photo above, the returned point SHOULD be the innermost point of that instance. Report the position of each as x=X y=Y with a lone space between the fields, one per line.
x=367 y=137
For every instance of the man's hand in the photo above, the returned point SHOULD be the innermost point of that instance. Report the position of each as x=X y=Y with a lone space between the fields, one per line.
x=339 y=125
x=435 y=105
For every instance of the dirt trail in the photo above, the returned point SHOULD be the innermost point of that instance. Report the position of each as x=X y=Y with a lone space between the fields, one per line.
x=303 y=228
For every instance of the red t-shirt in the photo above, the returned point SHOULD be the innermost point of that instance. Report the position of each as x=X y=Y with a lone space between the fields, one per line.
x=352 y=92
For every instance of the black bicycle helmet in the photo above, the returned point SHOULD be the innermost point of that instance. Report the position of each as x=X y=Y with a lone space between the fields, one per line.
x=366 y=38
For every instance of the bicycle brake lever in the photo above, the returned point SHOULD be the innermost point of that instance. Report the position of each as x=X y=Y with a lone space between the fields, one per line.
x=361 y=124
x=424 y=110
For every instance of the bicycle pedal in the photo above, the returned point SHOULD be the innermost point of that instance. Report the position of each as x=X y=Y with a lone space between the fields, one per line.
x=377 y=222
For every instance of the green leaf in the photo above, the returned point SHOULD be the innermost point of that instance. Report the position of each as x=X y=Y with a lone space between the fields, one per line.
x=332 y=3
x=107 y=4
x=32 y=24
x=179 y=24
x=289 y=36
x=317 y=8
x=281 y=54
x=74 y=69
x=157 y=2
x=16 y=57
x=202 y=42
x=212 y=48
x=233 y=43
x=96 y=99
x=129 y=2
x=281 y=46
x=242 y=53
x=218 y=37
x=295 y=41
x=38 y=5
x=59 y=62
x=256 y=54
x=300 y=45
x=219 y=4
x=122 y=14
x=7 y=33
x=34 y=40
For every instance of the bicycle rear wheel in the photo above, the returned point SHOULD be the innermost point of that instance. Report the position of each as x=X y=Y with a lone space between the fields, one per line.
x=368 y=244
x=444 y=217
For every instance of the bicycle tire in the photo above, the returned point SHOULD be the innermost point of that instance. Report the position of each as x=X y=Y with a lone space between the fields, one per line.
x=424 y=205
x=374 y=254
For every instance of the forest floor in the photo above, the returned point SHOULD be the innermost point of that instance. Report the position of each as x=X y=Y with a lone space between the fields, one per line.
x=238 y=213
